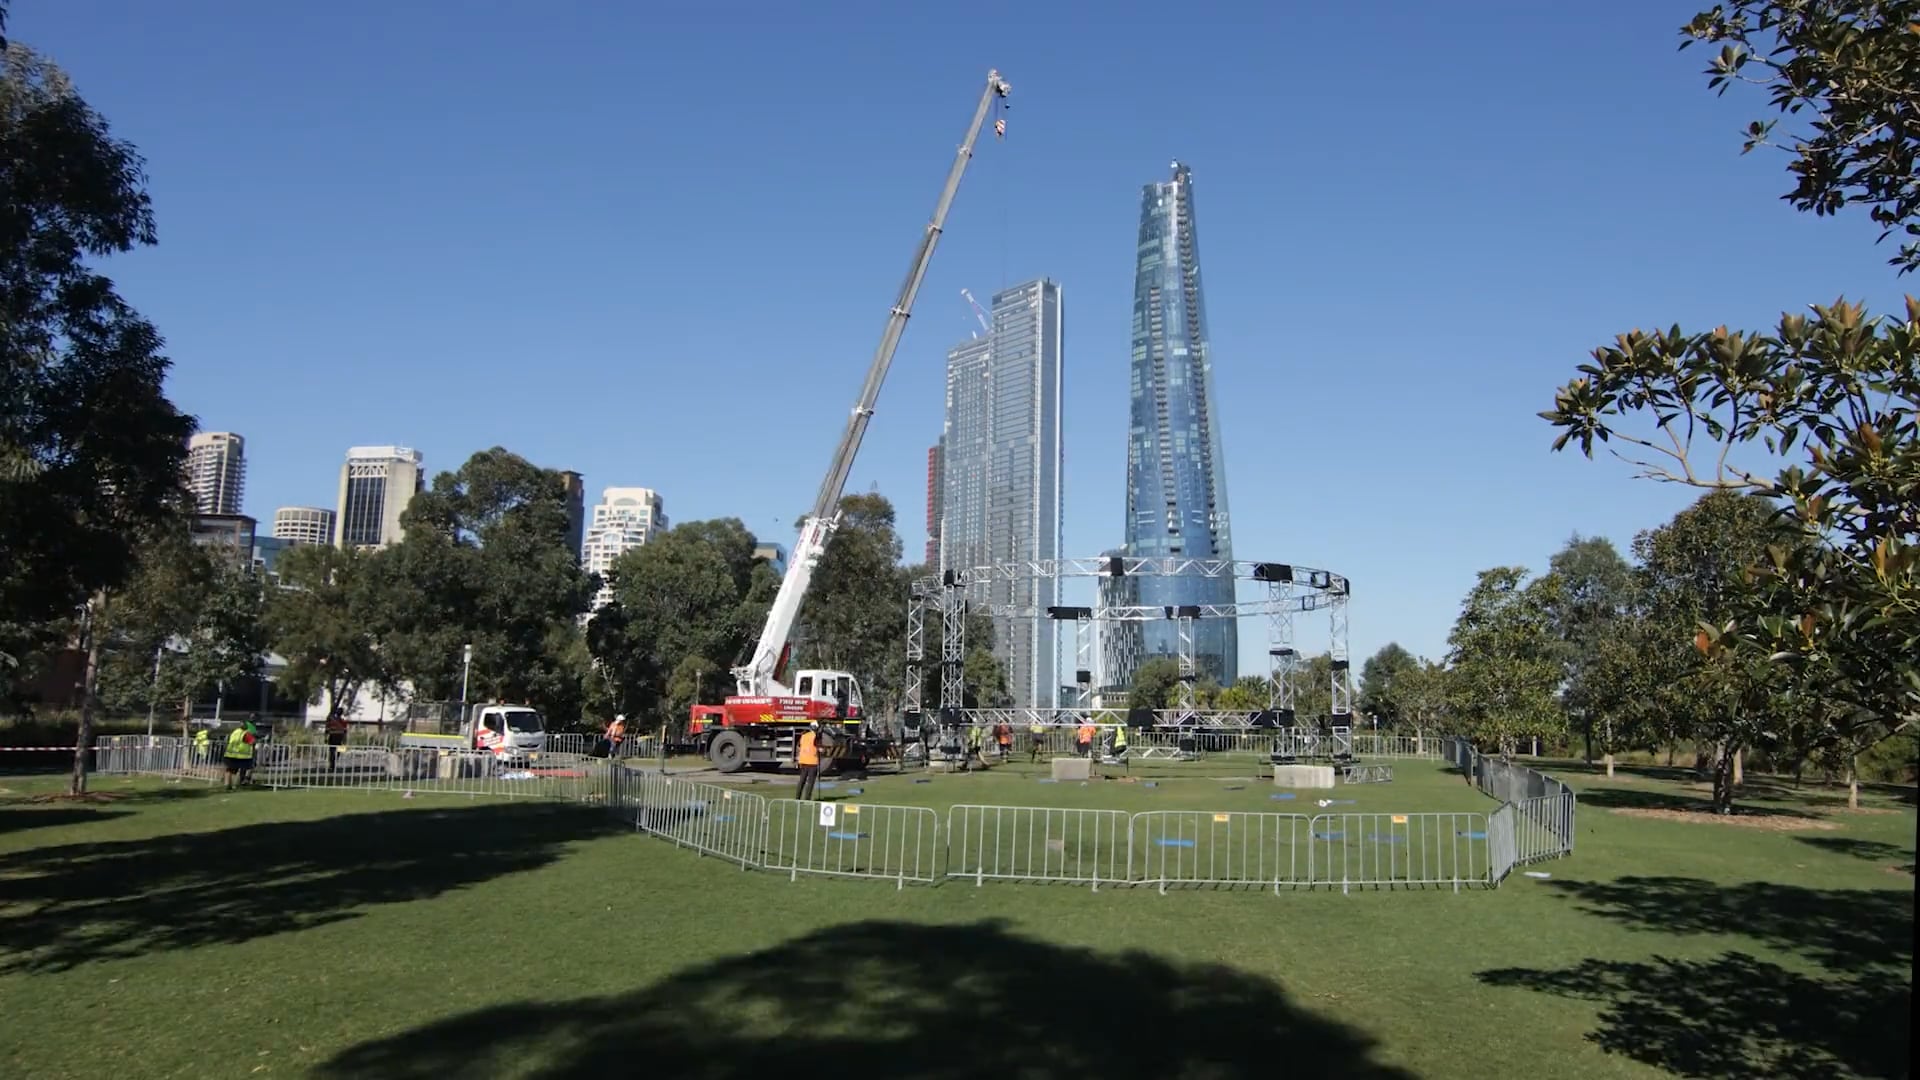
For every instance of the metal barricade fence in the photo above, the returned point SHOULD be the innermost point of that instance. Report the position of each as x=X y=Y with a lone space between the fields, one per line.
x=1197 y=847
x=420 y=771
x=1424 y=849
x=1037 y=844
x=846 y=839
x=705 y=817
x=1543 y=827
x=1500 y=844
x=1366 y=774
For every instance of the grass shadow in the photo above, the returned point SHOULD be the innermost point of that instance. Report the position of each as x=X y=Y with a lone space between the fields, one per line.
x=64 y=906
x=1637 y=799
x=1737 y=1017
x=18 y=818
x=1843 y=929
x=891 y=999
x=1873 y=851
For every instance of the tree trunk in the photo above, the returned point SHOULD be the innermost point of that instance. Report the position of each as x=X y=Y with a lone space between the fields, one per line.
x=1589 y=735
x=1606 y=732
x=1609 y=766
x=1669 y=755
x=1723 y=780
x=89 y=686
x=1739 y=770
x=1853 y=782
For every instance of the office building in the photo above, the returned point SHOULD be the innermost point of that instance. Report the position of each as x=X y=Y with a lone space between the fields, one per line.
x=935 y=455
x=1176 y=482
x=376 y=484
x=575 y=487
x=216 y=471
x=624 y=519
x=233 y=532
x=303 y=525
x=774 y=555
x=1000 y=472
x=266 y=553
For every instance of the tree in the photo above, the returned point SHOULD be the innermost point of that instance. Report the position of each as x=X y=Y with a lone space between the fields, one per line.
x=486 y=562
x=321 y=621
x=1313 y=689
x=687 y=606
x=1376 y=682
x=1249 y=693
x=1836 y=600
x=854 y=618
x=90 y=447
x=1155 y=683
x=1597 y=589
x=1418 y=695
x=1503 y=664
x=1849 y=70
x=190 y=620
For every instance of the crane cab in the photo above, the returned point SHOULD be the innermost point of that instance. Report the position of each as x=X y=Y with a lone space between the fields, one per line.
x=763 y=729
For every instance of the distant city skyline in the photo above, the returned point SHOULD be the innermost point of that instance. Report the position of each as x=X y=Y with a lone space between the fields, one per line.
x=217 y=471
x=623 y=519
x=376 y=484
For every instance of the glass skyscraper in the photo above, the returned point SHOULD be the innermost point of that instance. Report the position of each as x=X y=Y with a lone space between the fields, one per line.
x=1000 y=472
x=1176 y=477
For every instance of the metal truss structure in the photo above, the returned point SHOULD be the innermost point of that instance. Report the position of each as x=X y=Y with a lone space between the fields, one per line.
x=1290 y=591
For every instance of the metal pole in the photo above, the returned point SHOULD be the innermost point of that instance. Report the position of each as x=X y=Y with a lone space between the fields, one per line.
x=466 y=669
x=153 y=691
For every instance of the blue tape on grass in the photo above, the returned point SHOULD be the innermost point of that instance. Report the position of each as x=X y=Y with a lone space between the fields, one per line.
x=1174 y=843
x=1341 y=802
x=855 y=791
x=1151 y=783
x=723 y=817
x=1048 y=780
x=829 y=786
x=846 y=836
x=1284 y=795
x=1470 y=835
x=1328 y=835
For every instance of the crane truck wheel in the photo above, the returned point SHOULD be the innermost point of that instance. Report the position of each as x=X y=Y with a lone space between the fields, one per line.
x=728 y=751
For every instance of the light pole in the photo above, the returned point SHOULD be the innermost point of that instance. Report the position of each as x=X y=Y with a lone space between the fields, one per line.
x=466 y=669
x=153 y=691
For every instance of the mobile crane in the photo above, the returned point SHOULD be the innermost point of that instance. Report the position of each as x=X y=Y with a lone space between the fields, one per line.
x=758 y=724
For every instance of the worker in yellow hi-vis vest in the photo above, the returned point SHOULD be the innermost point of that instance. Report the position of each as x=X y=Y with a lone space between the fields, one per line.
x=240 y=743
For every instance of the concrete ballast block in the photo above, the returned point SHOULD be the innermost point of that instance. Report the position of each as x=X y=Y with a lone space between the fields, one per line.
x=1073 y=768
x=1303 y=776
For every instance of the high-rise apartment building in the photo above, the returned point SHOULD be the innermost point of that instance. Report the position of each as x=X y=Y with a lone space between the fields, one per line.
x=936 y=455
x=303 y=525
x=376 y=484
x=1000 y=471
x=624 y=519
x=216 y=471
x=575 y=487
x=1176 y=480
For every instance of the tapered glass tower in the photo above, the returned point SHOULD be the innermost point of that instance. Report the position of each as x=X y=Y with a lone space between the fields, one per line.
x=1176 y=478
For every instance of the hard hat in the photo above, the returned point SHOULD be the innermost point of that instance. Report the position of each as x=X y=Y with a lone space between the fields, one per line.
x=814 y=724
x=621 y=717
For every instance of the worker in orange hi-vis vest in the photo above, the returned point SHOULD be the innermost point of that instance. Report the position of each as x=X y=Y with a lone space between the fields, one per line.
x=807 y=756
x=616 y=731
x=1083 y=739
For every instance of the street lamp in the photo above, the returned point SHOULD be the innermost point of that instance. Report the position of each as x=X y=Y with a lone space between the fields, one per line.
x=466 y=669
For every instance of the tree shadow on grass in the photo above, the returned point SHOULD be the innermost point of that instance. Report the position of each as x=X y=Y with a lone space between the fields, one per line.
x=19 y=818
x=64 y=906
x=896 y=999
x=1843 y=929
x=1636 y=799
x=1890 y=855
x=1737 y=1017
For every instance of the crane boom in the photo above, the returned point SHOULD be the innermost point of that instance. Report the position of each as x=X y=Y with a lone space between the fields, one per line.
x=757 y=676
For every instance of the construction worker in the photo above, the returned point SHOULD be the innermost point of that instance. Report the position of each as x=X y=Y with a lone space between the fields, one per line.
x=1119 y=748
x=1003 y=737
x=1038 y=731
x=976 y=739
x=202 y=747
x=336 y=738
x=616 y=732
x=807 y=756
x=1083 y=739
x=240 y=743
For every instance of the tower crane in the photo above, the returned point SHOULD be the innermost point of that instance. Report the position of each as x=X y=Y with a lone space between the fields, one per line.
x=759 y=722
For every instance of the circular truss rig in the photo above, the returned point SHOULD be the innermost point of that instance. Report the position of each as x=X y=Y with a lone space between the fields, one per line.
x=1102 y=638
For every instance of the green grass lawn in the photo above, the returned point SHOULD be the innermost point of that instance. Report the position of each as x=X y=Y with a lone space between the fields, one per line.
x=183 y=932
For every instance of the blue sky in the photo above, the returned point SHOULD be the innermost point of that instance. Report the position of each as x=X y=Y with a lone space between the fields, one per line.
x=656 y=244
